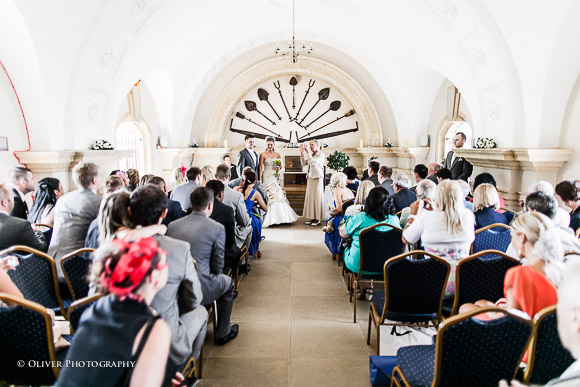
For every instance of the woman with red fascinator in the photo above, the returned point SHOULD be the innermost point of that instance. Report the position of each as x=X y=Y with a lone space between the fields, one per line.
x=120 y=340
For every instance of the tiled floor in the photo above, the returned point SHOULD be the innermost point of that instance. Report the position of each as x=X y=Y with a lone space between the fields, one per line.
x=295 y=320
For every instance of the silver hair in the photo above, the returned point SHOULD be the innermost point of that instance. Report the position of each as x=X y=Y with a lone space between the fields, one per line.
x=426 y=189
x=464 y=187
x=402 y=180
x=543 y=187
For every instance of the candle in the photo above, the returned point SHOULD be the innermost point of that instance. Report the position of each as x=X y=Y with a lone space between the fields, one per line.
x=406 y=143
x=361 y=143
x=181 y=143
x=205 y=139
x=225 y=143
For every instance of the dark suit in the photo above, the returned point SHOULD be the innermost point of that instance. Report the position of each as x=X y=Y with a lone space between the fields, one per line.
x=246 y=160
x=225 y=216
x=404 y=198
x=388 y=185
x=233 y=172
x=16 y=231
x=174 y=212
x=460 y=169
x=433 y=178
x=365 y=175
x=20 y=209
x=206 y=239
x=374 y=178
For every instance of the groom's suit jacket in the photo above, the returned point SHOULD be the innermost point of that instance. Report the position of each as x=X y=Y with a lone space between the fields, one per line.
x=246 y=160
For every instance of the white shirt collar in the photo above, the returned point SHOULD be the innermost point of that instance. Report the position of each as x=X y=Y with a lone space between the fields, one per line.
x=4 y=212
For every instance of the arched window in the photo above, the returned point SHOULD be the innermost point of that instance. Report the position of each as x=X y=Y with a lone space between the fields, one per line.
x=130 y=137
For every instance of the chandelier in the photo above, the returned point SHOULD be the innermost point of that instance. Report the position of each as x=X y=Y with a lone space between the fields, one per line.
x=294 y=50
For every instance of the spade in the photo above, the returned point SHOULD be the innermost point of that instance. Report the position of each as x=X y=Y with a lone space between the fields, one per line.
x=334 y=106
x=293 y=83
x=322 y=95
x=243 y=117
x=263 y=95
x=251 y=106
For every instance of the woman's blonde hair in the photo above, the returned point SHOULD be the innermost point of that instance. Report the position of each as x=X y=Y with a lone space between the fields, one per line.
x=113 y=214
x=207 y=173
x=363 y=191
x=178 y=176
x=449 y=199
x=338 y=180
x=485 y=196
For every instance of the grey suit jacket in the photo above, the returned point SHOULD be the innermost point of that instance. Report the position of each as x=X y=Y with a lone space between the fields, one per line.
x=16 y=231
x=181 y=194
x=245 y=160
x=73 y=213
x=180 y=295
x=388 y=185
x=206 y=239
x=235 y=200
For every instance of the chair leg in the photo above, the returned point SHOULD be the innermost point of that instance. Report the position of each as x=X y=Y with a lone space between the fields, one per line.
x=369 y=329
x=199 y=365
x=354 y=288
x=236 y=277
x=378 y=329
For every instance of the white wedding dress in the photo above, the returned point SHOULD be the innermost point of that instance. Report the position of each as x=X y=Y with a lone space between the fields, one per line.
x=279 y=210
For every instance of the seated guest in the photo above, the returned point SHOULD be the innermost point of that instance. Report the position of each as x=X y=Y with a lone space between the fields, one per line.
x=361 y=196
x=133 y=176
x=181 y=193
x=235 y=200
x=379 y=208
x=487 y=178
x=443 y=174
x=340 y=194
x=562 y=218
x=485 y=204
x=352 y=182
x=174 y=210
x=47 y=193
x=385 y=180
x=122 y=175
x=207 y=174
x=16 y=231
x=433 y=168
x=568 y=328
x=74 y=212
x=248 y=190
x=178 y=178
x=129 y=275
x=373 y=171
x=403 y=196
x=569 y=192
x=206 y=239
x=145 y=179
x=224 y=215
x=466 y=193
x=180 y=300
x=22 y=181
x=446 y=231
x=112 y=184
x=421 y=171
x=366 y=171
x=233 y=169
x=425 y=192
x=240 y=181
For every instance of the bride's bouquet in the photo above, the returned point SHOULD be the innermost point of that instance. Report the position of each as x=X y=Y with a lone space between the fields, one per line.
x=278 y=164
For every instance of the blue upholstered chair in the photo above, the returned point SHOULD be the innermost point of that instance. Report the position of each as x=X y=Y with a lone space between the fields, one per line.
x=468 y=352
x=75 y=268
x=376 y=247
x=77 y=308
x=488 y=239
x=36 y=277
x=479 y=277
x=548 y=358
x=413 y=292
x=26 y=336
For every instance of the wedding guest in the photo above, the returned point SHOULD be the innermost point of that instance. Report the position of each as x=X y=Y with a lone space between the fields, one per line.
x=145 y=179
x=206 y=239
x=421 y=172
x=488 y=178
x=466 y=194
x=233 y=170
x=181 y=193
x=251 y=195
x=426 y=193
x=373 y=171
x=22 y=181
x=443 y=174
x=74 y=212
x=361 y=196
x=562 y=218
x=352 y=182
x=569 y=192
x=340 y=194
x=207 y=174
x=446 y=231
x=459 y=167
x=174 y=210
x=315 y=201
x=14 y=230
x=403 y=196
x=240 y=181
x=366 y=171
x=129 y=275
x=485 y=204
x=133 y=176
x=112 y=184
x=122 y=175
x=385 y=180
x=47 y=193
x=433 y=168
x=177 y=178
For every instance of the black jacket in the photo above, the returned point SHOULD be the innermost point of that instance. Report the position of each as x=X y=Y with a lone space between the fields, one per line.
x=404 y=198
x=460 y=169
x=16 y=231
x=174 y=212
x=20 y=209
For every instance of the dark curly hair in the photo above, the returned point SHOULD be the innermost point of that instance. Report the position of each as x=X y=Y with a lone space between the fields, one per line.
x=379 y=204
x=568 y=190
x=350 y=172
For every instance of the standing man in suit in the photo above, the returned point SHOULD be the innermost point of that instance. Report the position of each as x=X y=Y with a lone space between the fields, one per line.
x=206 y=239
x=181 y=192
x=235 y=200
x=248 y=157
x=13 y=230
x=22 y=181
x=459 y=167
x=233 y=169
x=179 y=303
x=74 y=212
x=385 y=180
x=373 y=171
x=174 y=210
x=403 y=196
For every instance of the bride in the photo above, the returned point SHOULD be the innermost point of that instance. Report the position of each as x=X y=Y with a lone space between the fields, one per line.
x=279 y=210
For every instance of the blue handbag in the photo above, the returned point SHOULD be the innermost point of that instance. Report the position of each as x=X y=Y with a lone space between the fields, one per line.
x=381 y=369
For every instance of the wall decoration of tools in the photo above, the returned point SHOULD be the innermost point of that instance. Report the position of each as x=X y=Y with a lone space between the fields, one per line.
x=294 y=109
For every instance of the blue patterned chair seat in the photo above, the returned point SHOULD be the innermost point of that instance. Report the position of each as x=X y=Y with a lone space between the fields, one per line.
x=379 y=303
x=418 y=364
x=76 y=270
x=492 y=240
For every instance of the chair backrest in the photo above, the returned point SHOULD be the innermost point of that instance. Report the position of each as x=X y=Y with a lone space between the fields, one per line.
x=35 y=277
x=75 y=268
x=346 y=204
x=488 y=239
x=47 y=233
x=377 y=246
x=472 y=352
x=26 y=335
x=77 y=308
x=414 y=288
x=548 y=358
x=479 y=277
x=508 y=211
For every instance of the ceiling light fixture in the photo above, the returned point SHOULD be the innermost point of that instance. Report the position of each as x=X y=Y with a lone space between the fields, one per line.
x=294 y=50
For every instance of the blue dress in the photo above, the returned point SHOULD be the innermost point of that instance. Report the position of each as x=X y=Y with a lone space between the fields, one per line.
x=256 y=225
x=332 y=239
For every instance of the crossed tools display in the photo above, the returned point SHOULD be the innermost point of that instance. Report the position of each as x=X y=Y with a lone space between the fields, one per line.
x=323 y=94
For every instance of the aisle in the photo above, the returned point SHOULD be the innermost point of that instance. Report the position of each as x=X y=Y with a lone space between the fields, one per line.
x=295 y=320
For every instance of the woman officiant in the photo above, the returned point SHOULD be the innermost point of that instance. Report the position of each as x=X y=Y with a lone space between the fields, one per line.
x=315 y=201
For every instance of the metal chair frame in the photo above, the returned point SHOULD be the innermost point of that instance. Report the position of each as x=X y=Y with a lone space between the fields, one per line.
x=66 y=277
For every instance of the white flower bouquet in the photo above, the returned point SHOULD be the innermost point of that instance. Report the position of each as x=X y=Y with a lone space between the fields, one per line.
x=484 y=143
x=102 y=145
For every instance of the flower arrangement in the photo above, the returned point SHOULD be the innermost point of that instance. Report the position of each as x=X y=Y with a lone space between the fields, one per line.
x=484 y=143
x=292 y=145
x=337 y=161
x=102 y=145
x=278 y=164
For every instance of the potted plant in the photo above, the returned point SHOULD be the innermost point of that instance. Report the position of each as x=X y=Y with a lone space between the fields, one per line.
x=337 y=161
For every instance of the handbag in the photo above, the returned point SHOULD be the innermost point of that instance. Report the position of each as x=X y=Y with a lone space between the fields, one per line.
x=381 y=369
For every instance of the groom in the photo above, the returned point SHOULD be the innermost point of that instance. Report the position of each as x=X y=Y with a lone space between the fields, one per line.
x=248 y=157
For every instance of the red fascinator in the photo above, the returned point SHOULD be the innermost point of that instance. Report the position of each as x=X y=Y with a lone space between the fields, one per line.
x=183 y=169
